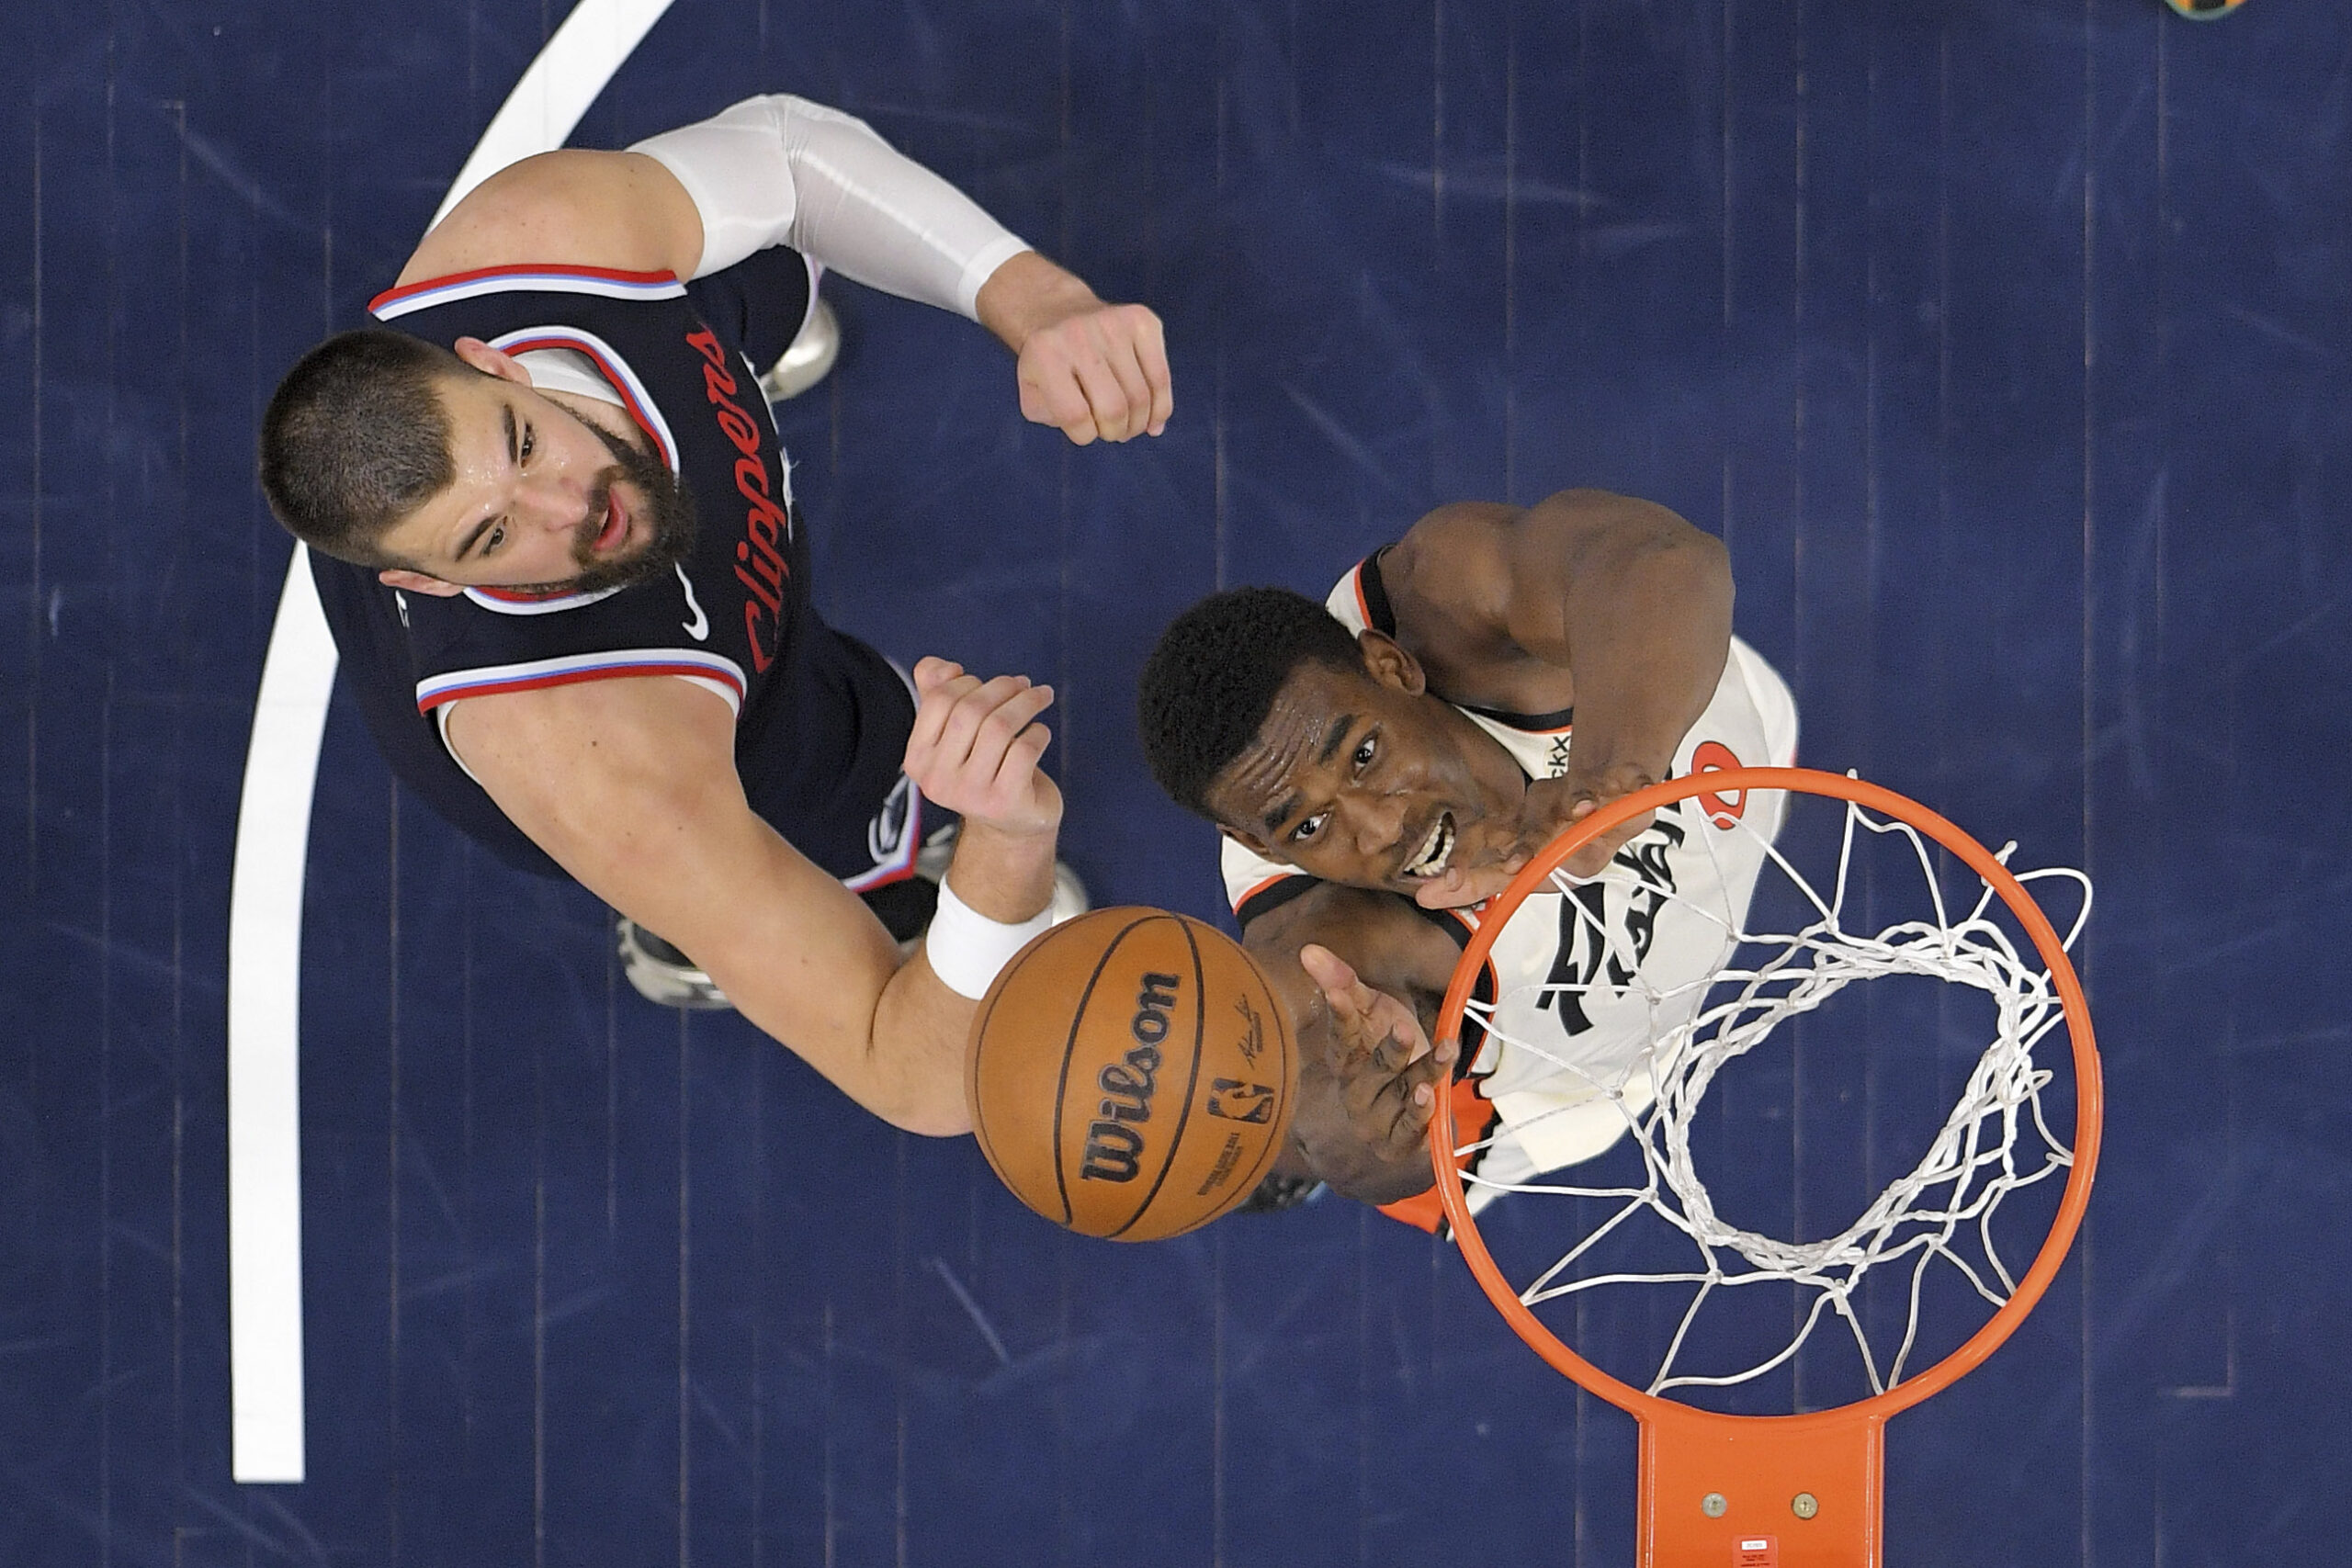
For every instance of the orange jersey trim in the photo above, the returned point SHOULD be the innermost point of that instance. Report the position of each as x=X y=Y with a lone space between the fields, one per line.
x=1473 y=1117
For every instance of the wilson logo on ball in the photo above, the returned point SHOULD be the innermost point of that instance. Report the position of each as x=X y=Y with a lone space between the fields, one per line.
x=1114 y=1146
x=1131 y=1074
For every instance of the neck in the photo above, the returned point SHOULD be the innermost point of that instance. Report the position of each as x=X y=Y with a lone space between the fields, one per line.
x=1494 y=767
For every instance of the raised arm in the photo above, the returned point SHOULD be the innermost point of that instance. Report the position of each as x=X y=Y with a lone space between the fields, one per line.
x=1612 y=606
x=780 y=170
x=631 y=786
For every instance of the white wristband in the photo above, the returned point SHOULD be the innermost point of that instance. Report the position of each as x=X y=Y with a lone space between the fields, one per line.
x=967 y=950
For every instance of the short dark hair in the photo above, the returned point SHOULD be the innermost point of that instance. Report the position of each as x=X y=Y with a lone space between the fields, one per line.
x=356 y=438
x=1211 y=681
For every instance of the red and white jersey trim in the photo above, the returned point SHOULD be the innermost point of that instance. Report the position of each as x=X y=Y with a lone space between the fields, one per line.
x=507 y=603
x=897 y=868
x=710 y=670
x=894 y=857
x=634 y=399
x=604 y=282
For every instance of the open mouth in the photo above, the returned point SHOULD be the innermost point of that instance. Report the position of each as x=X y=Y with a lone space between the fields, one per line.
x=1435 y=848
x=616 y=526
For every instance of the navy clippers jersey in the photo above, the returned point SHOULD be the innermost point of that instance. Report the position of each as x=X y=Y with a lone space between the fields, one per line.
x=821 y=719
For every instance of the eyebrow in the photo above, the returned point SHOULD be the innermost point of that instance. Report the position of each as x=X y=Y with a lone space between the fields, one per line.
x=513 y=455
x=1279 y=812
x=1341 y=727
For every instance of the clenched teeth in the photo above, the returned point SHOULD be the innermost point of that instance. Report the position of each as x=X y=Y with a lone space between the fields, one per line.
x=1430 y=862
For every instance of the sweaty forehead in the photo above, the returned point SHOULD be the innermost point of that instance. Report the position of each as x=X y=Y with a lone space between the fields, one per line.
x=477 y=408
x=1310 y=720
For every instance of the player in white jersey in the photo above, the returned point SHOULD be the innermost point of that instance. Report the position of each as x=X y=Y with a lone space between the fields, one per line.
x=1382 y=763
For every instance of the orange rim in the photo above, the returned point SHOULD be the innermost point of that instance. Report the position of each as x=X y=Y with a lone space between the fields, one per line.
x=2088 y=1105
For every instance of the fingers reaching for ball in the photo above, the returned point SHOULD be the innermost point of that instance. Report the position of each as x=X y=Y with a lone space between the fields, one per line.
x=1388 y=1074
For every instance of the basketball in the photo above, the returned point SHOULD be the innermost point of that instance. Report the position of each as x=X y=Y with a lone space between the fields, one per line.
x=1131 y=1075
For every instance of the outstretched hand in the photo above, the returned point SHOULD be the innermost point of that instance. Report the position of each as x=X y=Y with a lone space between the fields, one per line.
x=975 y=747
x=1383 y=1079
x=1089 y=369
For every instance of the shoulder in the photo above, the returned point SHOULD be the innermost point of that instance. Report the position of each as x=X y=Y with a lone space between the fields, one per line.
x=621 y=210
x=1450 y=581
x=1573 y=521
x=1452 y=549
x=1475 y=579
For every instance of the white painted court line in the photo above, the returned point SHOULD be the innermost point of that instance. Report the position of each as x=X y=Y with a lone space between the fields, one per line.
x=557 y=90
x=265 y=1014
x=273 y=844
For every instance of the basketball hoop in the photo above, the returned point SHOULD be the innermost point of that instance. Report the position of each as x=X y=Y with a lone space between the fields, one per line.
x=1720 y=1489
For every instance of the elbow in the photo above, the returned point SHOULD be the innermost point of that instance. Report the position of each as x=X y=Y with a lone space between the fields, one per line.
x=1692 y=550
x=1690 y=568
x=917 y=1090
x=916 y=1084
x=931 y=1121
x=1641 y=546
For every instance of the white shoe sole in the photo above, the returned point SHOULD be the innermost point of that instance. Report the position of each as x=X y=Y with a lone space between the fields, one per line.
x=662 y=983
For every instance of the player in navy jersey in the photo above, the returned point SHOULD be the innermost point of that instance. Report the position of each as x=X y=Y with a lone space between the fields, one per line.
x=1382 y=763
x=554 y=535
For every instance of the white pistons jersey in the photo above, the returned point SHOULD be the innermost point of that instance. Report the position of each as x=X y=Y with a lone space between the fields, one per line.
x=1582 y=982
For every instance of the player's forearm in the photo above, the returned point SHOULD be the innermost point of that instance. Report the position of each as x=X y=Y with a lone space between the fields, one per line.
x=799 y=955
x=830 y=986
x=1028 y=293
x=1367 y=1182
x=881 y=1027
x=916 y=1058
x=631 y=786
x=1649 y=623
x=1004 y=876
x=913 y=1067
x=896 y=1037
x=780 y=170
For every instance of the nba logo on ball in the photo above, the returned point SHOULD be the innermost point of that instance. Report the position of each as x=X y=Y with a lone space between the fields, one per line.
x=1237 y=1101
x=1131 y=1074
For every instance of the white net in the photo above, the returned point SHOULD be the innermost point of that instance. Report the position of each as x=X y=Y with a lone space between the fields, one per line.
x=1884 y=902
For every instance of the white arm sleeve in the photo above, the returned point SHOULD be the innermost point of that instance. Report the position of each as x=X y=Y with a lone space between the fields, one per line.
x=781 y=170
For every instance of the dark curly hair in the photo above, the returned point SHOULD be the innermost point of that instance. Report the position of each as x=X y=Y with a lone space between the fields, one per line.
x=356 y=438
x=1211 y=681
